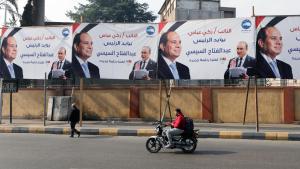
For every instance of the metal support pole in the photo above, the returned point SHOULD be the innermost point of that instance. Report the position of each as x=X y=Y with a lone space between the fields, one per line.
x=81 y=101
x=160 y=99
x=10 y=108
x=246 y=102
x=1 y=96
x=168 y=96
x=256 y=105
x=45 y=99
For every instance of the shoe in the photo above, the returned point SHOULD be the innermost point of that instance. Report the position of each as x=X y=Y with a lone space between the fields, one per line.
x=78 y=134
x=72 y=136
x=169 y=145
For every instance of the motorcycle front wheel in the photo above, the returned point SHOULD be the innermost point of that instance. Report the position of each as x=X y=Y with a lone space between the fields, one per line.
x=190 y=145
x=152 y=145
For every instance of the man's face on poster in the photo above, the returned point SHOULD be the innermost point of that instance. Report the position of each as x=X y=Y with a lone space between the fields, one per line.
x=172 y=49
x=145 y=54
x=272 y=46
x=61 y=54
x=85 y=46
x=10 y=52
x=241 y=49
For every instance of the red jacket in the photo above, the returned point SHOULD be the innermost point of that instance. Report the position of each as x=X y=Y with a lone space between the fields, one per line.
x=179 y=122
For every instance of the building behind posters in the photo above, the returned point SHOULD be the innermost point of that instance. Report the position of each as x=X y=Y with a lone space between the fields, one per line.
x=177 y=10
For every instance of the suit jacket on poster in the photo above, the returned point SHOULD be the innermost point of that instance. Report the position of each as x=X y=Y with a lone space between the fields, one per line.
x=66 y=67
x=250 y=62
x=4 y=72
x=164 y=71
x=78 y=72
x=151 y=67
x=263 y=69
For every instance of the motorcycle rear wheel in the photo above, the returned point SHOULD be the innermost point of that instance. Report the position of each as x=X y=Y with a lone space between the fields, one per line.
x=152 y=145
x=191 y=145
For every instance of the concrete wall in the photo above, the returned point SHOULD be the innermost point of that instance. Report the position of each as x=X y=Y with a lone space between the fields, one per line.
x=26 y=103
x=188 y=4
x=196 y=9
x=276 y=104
x=228 y=105
x=104 y=103
x=297 y=105
x=188 y=100
x=193 y=14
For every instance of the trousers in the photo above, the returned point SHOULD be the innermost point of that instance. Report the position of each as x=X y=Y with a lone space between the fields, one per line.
x=73 y=129
x=173 y=132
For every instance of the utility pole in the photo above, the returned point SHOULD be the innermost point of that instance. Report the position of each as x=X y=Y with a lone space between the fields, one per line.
x=39 y=12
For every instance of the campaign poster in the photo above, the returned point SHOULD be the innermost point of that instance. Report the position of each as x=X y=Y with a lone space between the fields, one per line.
x=208 y=45
x=289 y=45
x=116 y=47
x=37 y=48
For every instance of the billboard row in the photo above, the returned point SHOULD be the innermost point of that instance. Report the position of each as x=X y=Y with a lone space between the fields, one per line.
x=200 y=49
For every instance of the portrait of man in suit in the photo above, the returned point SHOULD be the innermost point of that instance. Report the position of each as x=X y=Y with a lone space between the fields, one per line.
x=269 y=46
x=146 y=63
x=61 y=64
x=169 y=51
x=241 y=60
x=8 y=68
x=81 y=52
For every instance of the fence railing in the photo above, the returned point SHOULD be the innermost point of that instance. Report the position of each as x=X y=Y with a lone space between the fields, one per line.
x=38 y=83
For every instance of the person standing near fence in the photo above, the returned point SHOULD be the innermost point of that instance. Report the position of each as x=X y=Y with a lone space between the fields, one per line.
x=74 y=119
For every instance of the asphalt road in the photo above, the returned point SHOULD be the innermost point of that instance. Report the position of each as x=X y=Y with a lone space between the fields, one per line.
x=46 y=151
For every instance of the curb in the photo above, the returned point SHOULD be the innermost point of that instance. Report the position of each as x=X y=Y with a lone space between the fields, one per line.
x=150 y=132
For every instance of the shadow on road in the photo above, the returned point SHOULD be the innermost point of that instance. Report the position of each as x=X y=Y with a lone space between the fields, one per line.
x=206 y=152
x=212 y=152
x=93 y=137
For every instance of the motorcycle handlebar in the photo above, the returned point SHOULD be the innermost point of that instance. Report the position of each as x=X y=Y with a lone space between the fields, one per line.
x=156 y=122
x=159 y=123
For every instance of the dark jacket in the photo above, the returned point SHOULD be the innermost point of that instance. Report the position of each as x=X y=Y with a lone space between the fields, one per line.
x=78 y=72
x=164 y=71
x=75 y=115
x=4 y=72
x=67 y=67
x=250 y=62
x=263 y=69
x=151 y=67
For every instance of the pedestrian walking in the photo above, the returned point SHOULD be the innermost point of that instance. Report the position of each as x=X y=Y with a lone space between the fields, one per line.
x=74 y=119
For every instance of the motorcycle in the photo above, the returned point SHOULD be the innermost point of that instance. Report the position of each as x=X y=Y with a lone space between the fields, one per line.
x=187 y=141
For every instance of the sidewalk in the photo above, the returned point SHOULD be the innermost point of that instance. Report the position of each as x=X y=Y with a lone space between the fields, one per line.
x=141 y=128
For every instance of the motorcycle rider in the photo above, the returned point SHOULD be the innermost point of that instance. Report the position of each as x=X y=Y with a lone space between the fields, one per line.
x=177 y=127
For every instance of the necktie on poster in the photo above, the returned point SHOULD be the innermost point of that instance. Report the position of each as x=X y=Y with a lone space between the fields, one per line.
x=11 y=71
x=174 y=70
x=59 y=64
x=143 y=65
x=273 y=67
x=239 y=62
x=86 y=70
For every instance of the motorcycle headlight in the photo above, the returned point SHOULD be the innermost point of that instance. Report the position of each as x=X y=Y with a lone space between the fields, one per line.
x=157 y=129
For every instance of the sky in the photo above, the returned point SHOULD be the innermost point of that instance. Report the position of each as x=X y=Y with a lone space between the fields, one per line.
x=55 y=12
